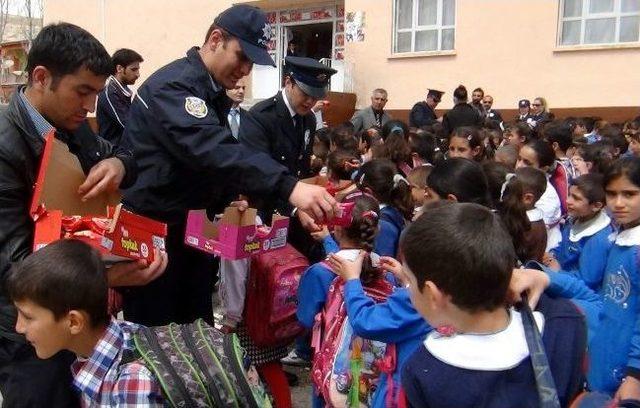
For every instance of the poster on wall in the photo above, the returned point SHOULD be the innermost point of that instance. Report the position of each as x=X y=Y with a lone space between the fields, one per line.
x=354 y=26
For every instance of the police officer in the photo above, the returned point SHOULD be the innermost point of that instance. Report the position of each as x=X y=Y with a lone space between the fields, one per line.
x=188 y=159
x=423 y=113
x=284 y=126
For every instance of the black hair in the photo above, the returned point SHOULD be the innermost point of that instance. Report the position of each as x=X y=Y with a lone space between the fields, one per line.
x=380 y=177
x=628 y=167
x=559 y=132
x=341 y=164
x=521 y=129
x=462 y=178
x=395 y=127
x=592 y=187
x=472 y=136
x=479 y=90
x=343 y=138
x=65 y=48
x=507 y=193
x=599 y=154
x=589 y=122
x=125 y=57
x=225 y=35
x=363 y=231
x=396 y=146
x=533 y=181
x=465 y=251
x=63 y=276
x=544 y=152
x=423 y=144
x=460 y=93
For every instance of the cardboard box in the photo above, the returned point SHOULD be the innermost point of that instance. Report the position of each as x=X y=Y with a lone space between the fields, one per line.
x=235 y=235
x=127 y=236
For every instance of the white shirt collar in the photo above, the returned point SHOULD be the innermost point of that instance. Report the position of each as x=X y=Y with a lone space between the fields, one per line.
x=286 y=102
x=581 y=230
x=492 y=352
x=534 y=214
x=630 y=237
x=352 y=254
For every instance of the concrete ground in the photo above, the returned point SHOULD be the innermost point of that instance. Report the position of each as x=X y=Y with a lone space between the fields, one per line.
x=301 y=395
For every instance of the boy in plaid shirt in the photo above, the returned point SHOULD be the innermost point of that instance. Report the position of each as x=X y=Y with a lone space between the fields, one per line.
x=60 y=292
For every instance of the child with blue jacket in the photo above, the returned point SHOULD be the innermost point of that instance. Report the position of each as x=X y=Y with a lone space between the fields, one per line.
x=613 y=313
x=316 y=281
x=381 y=179
x=586 y=239
x=459 y=259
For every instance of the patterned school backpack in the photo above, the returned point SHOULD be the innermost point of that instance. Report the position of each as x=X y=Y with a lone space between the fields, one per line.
x=272 y=296
x=199 y=366
x=346 y=368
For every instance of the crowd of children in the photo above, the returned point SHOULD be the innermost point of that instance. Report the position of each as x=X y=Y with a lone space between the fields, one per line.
x=417 y=302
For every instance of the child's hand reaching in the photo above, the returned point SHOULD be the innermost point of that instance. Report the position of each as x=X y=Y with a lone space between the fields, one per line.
x=347 y=270
x=320 y=235
x=395 y=267
x=549 y=260
x=532 y=281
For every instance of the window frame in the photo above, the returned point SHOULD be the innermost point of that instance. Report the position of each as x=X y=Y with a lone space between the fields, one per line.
x=585 y=15
x=415 y=28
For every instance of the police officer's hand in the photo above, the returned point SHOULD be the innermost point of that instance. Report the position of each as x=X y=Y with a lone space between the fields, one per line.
x=104 y=176
x=307 y=222
x=137 y=273
x=314 y=200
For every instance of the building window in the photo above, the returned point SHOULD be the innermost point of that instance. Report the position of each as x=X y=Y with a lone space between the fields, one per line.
x=586 y=22
x=424 y=25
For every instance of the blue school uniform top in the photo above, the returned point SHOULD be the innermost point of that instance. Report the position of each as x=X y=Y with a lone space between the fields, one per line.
x=494 y=370
x=584 y=249
x=390 y=226
x=613 y=313
x=393 y=321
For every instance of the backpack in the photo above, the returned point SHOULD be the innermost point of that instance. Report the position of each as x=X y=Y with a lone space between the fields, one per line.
x=272 y=296
x=560 y=180
x=199 y=366
x=346 y=368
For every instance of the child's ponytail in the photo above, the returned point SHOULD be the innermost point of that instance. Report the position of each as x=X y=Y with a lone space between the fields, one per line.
x=363 y=231
x=513 y=213
x=381 y=178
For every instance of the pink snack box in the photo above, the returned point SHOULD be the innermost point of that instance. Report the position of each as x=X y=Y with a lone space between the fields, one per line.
x=235 y=235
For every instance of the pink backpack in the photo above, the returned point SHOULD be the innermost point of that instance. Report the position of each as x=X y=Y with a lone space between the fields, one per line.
x=346 y=368
x=272 y=296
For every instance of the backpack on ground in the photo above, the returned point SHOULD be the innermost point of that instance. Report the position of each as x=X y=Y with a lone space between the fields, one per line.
x=346 y=368
x=199 y=366
x=272 y=296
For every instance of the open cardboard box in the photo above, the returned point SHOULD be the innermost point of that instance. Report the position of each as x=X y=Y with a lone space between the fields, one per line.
x=127 y=237
x=235 y=235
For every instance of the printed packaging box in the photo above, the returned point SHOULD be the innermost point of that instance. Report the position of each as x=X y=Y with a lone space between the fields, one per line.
x=118 y=234
x=235 y=235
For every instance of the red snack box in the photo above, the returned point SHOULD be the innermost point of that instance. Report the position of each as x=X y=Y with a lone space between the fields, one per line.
x=126 y=236
x=235 y=235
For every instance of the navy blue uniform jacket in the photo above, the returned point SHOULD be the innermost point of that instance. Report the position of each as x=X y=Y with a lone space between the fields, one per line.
x=186 y=155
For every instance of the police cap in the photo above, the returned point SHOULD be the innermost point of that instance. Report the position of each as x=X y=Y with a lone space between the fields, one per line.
x=524 y=103
x=310 y=75
x=435 y=94
x=249 y=25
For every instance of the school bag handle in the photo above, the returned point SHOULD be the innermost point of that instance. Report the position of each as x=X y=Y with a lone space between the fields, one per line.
x=547 y=393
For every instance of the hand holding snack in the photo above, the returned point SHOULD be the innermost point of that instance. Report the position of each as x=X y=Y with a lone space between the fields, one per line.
x=314 y=200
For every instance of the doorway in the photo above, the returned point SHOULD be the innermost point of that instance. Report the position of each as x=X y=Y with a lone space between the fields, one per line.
x=312 y=40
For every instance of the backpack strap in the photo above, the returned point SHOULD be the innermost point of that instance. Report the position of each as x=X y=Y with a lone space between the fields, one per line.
x=545 y=385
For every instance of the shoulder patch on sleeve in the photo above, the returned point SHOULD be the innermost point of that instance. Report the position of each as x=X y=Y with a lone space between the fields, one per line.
x=195 y=107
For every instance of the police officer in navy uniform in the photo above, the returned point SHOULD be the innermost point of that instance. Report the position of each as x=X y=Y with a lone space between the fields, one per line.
x=188 y=159
x=283 y=126
x=423 y=113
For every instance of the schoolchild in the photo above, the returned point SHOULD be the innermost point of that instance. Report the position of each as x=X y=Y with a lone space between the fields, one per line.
x=514 y=196
x=517 y=135
x=612 y=313
x=417 y=178
x=586 y=237
x=380 y=178
x=60 y=292
x=478 y=356
x=538 y=154
x=315 y=282
x=467 y=143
